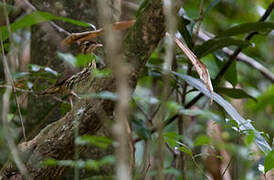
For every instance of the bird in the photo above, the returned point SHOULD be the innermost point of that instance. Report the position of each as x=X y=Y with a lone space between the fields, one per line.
x=64 y=86
x=87 y=45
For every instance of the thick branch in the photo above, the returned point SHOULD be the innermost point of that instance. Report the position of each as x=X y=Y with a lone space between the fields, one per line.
x=57 y=139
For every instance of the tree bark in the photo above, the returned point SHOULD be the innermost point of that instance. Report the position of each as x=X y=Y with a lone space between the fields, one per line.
x=57 y=139
x=45 y=42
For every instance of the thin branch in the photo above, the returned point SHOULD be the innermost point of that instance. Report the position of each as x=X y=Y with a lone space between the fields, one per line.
x=195 y=34
x=228 y=165
x=17 y=89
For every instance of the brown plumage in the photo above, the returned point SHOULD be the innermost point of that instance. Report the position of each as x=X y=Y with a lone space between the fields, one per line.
x=64 y=87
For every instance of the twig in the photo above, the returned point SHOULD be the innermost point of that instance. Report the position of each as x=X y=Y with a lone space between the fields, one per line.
x=17 y=89
x=195 y=34
x=226 y=168
x=144 y=113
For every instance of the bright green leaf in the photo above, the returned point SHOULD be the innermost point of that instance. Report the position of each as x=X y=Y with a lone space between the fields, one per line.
x=185 y=150
x=202 y=140
x=99 y=141
x=82 y=60
x=249 y=138
x=50 y=162
x=269 y=161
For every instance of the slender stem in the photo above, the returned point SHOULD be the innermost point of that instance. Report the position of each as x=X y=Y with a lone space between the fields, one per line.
x=9 y=75
x=125 y=150
x=76 y=148
x=5 y=110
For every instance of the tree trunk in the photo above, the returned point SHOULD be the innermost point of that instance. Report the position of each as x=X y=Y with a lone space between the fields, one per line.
x=45 y=43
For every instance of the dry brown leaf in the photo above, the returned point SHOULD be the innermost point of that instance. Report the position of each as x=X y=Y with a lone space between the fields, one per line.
x=83 y=36
x=200 y=68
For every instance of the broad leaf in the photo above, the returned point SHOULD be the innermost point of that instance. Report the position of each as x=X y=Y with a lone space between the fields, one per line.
x=244 y=125
x=231 y=75
x=202 y=140
x=184 y=32
x=247 y=28
x=35 y=18
x=211 y=5
x=234 y=93
x=82 y=60
x=269 y=161
x=218 y=43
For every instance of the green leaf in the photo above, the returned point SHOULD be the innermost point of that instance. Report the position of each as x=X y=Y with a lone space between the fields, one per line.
x=212 y=64
x=185 y=150
x=141 y=129
x=35 y=18
x=50 y=162
x=244 y=125
x=249 y=138
x=82 y=60
x=218 y=43
x=264 y=100
x=211 y=5
x=172 y=138
x=231 y=74
x=101 y=73
x=202 y=140
x=269 y=161
x=234 y=93
x=99 y=141
x=143 y=5
x=184 y=32
x=247 y=28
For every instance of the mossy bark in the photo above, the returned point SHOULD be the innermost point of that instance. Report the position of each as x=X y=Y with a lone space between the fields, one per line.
x=45 y=43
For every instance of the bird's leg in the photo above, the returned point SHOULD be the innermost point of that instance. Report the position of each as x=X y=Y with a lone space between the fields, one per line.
x=72 y=93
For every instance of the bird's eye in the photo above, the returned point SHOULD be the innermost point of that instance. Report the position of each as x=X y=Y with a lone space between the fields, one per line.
x=87 y=43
